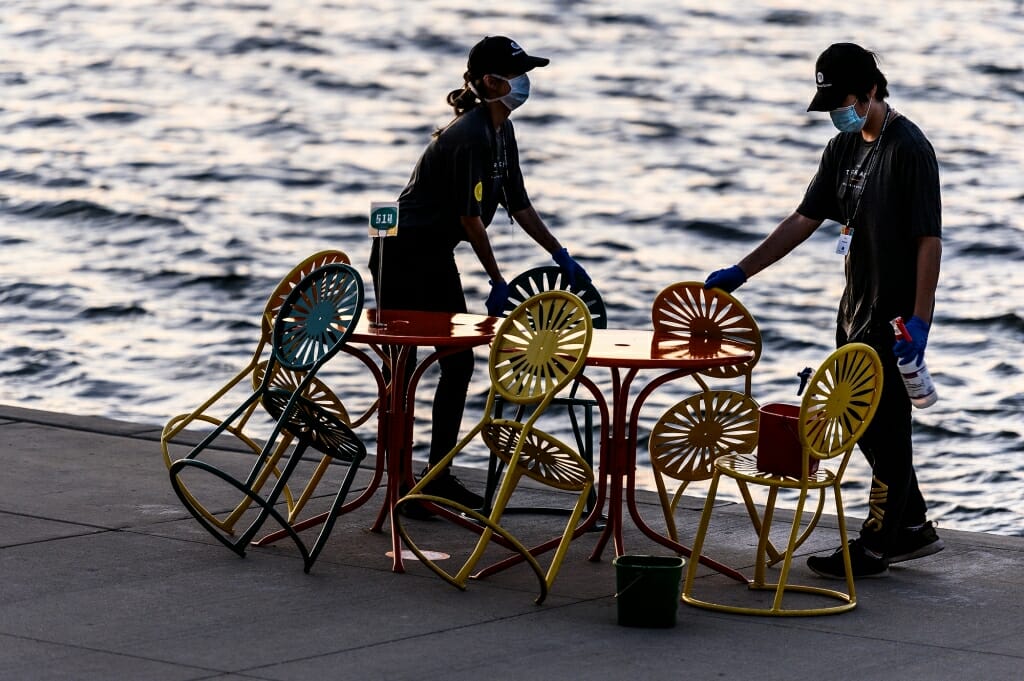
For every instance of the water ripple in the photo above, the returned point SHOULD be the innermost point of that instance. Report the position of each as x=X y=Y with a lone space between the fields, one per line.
x=165 y=163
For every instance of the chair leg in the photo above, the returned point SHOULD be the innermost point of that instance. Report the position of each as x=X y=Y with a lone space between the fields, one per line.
x=755 y=518
x=271 y=500
x=815 y=517
x=841 y=518
x=198 y=512
x=667 y=506
x=567 y=535
x=698 y=542
x=257 y=478
x=295 y=507
x=481 y=520
x=226 y=525
x=508 y=486
x=773 y=554
x=587 y=448
x=787 y=563
x=332 y=515
x=764 y=538
x=495 y=466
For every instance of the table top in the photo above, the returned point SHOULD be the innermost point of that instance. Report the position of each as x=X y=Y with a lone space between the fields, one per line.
x=414 y=327
x=645 y=349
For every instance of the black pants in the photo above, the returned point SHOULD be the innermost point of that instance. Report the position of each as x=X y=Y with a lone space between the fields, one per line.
x=895 y=499
x=418 y=277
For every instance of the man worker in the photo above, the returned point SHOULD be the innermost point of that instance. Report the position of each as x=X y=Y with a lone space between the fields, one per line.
x=878 y=178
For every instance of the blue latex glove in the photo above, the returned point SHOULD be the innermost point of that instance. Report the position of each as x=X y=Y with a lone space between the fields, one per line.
x=729 y=279
x=497 y=299
x=913 y=349
x=572 y=269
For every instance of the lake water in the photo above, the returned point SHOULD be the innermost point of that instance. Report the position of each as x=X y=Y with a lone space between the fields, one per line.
x=163 y=164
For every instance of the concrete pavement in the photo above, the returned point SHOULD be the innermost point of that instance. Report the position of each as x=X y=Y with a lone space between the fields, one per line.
x=103 y=575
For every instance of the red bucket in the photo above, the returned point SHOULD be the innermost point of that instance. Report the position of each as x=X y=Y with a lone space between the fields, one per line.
x=778 y=442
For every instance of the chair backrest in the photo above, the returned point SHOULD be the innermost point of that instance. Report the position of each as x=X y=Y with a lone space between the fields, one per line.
x=840 y=401
x=540 y=347
x=317 y=317
x=697 y=430
x=551 y=278
x=705 y=318
x=285 y=286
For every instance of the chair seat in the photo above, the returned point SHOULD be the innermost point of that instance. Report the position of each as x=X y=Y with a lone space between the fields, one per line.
x=575 y=401
x=744 y=467
x=315 y=426
x=570 y=480
x=544 y=458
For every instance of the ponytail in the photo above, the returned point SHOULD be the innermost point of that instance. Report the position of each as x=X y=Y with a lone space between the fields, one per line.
x=465 y=98
x=462 y=100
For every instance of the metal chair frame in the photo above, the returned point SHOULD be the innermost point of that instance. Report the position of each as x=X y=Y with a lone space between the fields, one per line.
x=705 y=318
x=523 y=286
x=253 y=374
x=538 y=350
x=311 y=326
x=691 y=435
x=837 y=408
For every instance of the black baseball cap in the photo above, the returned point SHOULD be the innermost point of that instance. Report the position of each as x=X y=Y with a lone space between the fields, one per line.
x=501 y=55
x=843 y=69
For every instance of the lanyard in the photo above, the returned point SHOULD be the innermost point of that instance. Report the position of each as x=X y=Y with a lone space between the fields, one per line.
x=870 y=163
x=500 y=169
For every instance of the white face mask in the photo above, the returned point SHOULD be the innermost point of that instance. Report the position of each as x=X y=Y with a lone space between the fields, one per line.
x=519 y=93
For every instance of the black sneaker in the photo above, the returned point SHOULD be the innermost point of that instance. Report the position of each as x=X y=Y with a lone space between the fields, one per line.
x=450 y=487
x=414 y=509
x=863 y=565
x=911 y=544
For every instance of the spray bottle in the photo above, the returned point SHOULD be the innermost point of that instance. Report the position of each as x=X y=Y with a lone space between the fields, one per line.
x=916 y=379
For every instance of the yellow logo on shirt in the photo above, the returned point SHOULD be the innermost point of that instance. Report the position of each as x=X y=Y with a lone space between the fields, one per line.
x=478 y=191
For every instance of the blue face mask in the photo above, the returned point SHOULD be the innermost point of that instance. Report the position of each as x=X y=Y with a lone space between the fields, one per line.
x=847 y=120
x=519 y=93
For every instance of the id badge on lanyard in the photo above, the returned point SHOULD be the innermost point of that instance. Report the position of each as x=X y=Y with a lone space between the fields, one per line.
x=857 y=181
x=845 y=237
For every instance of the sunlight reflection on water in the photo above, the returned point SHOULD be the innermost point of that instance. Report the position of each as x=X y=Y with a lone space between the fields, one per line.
x=163 y=165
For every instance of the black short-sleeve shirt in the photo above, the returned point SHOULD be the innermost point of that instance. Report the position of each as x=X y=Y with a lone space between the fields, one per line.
x=900 y=202
x=467 y=170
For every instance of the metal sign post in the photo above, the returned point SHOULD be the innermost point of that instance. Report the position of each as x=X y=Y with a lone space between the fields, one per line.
x=383 y=223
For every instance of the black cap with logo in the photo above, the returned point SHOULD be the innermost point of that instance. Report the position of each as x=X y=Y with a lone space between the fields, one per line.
x=842 y=70
x=502 y=56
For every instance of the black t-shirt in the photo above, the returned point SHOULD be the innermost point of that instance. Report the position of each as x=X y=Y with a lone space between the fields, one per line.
x=467 y=170
x=900 y=203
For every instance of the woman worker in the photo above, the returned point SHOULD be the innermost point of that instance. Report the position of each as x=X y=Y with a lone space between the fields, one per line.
x=468 y=169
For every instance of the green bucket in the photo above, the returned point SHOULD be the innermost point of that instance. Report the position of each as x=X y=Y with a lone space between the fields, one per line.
x=648 y=590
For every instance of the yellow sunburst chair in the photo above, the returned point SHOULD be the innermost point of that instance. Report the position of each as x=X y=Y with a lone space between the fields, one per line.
x=837 y=408
x=697 y=430
x=705 y=318
x=538 y=350
x=691 y=435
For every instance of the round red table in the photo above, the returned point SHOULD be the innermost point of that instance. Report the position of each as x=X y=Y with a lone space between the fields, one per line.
x=394 y=334
x=627 y=352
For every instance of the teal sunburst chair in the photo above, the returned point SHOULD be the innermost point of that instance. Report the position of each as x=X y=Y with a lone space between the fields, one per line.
x=311 y=326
